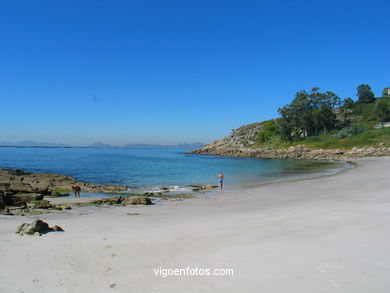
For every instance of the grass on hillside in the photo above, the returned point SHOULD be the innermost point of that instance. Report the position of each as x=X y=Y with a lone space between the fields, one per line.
x=370 y=137
x=360 y=133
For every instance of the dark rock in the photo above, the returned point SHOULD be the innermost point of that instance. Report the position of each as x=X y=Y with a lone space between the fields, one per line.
x=21 y=187
x=37 y=227
x=109 y=201
x=18 y=181
x=40 y=226
x=58 y=194
x=41 y=204
x=25 y=228
x=197 y=187
x=137 y=200
x=22 y=199
x=152 y=194
x=2 y=202
x=4 y=187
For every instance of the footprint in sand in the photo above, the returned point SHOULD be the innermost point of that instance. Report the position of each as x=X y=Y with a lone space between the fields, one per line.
x=321 y=270
x=335 y=284
x=113 y=254
x=113 y=285
x=107 y=246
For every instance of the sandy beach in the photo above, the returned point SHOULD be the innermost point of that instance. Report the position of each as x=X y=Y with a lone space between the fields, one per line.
x=329 y=234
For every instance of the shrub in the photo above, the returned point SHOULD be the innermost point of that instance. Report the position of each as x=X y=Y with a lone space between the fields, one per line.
x=270 y=129
x=349 y=131
x=382 y=111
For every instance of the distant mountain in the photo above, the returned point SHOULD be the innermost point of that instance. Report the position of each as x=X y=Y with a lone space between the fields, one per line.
x=28 y=143
x=100 y=145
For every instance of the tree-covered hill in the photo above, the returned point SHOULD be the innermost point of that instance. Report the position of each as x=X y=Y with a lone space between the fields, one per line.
x=321 y=120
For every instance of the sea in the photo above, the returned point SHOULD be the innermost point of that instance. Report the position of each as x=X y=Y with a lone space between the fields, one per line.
x=150 y=169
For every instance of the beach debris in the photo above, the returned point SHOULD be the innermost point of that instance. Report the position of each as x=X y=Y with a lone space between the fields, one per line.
x=137 y=200
x=113 y=285
x=36 y=228
x=133 y=214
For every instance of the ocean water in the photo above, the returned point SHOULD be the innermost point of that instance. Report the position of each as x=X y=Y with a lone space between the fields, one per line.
x=149 y=169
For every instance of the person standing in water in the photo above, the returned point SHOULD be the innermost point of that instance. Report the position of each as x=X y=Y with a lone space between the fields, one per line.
x=76 y=190
x=220 y=179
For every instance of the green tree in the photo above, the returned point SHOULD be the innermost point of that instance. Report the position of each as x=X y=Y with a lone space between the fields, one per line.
x=346 y=107
x=324 y=115
x=365 y=95
x=348 y=103
x=309 y=113
x=386 y=92
x=382 y=111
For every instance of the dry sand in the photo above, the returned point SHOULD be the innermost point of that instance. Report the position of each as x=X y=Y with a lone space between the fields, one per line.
x=330 y=234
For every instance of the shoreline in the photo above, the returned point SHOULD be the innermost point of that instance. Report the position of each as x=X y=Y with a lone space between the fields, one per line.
x=349 y=165
x=299 y=152
x=49 y=183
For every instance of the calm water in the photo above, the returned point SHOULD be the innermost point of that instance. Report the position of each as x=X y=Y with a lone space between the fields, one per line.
x=150 y=168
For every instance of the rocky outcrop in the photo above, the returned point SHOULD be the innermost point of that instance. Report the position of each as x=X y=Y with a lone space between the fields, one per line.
x=137 y=200
x=108 y=201
x=123 y=200
x=295 y=152
x=243 y=142
x=20 y=189
x=19 y=181
x=37 y=227
x=59 y=194
x=203 y=187
x=239 y=137
x=22 y=199
x=2 y=203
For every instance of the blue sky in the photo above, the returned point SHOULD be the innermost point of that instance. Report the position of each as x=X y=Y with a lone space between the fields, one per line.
x=177 y=71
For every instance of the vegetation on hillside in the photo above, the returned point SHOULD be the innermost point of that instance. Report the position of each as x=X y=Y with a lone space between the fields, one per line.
x=322 y=120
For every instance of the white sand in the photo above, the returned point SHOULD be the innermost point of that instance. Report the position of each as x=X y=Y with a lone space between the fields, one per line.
x=330 y=234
